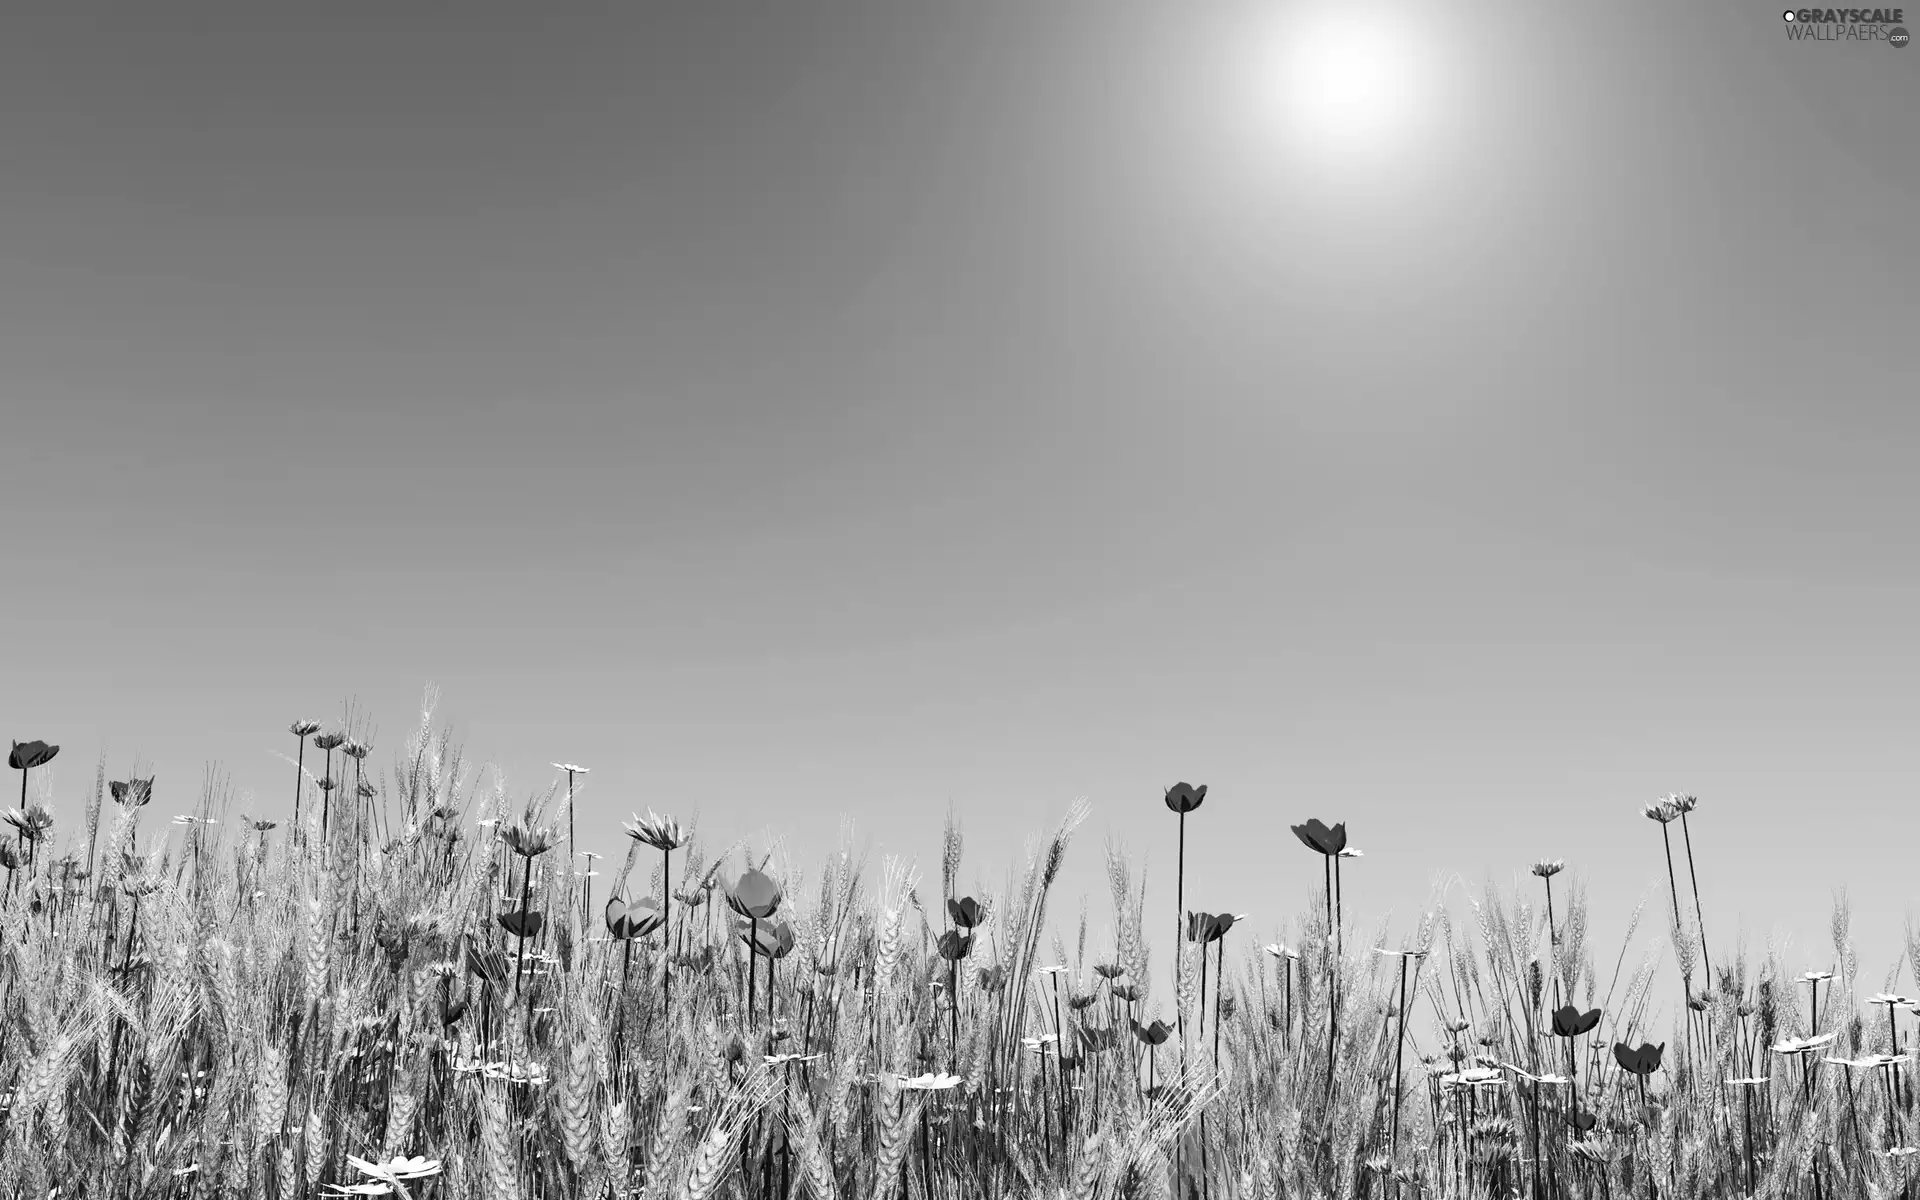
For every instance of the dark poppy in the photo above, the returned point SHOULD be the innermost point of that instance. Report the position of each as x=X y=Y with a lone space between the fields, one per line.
x=966 y=912
x=1152 y=1035
x=28 y=755
x=1184 y=797
x=1208 y=927
x=992 y=979
x=132 y=793
x=1570 y=1022
x=1316 y=837
x=522 y=924
x=754 y=895
x=1582 y=1121
x=10 y=857
x=955 y=945
x=634 y=920
x=1126 y=991
x=1109 y=970
x=773 y=939
x=1644 y=1061
x=454 y=1012
x=1096 y=1038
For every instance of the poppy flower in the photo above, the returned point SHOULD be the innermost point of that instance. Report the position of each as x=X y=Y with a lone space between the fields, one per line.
x=754 y=895
x=1109 y=970
x=634 y=920
x=992 y=979
x=28 y=755
x=1547 y=868
x=1185 y=797
x=1153 y=1035
x=1570 y=1022
x=1315 y=836
x=770 y=940
x=1644 y=1061
x=521 y=923
x=955 y=945
x=1126 y=991
x=966 y=912
x=132 y=793
x=304 y=729
x=1582 y=1121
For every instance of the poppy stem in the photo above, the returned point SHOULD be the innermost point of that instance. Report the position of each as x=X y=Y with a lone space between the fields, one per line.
x=1179 y=908
x=1699 y=921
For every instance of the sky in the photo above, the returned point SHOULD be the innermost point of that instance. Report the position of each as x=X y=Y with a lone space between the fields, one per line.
x=1466 y=422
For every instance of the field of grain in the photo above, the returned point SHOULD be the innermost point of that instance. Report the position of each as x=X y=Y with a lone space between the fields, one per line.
x=414 y=989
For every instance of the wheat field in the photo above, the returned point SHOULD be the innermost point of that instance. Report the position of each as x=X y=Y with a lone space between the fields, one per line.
x=414 y=990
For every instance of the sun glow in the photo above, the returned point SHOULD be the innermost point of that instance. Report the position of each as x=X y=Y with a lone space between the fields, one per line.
x=1339 y=82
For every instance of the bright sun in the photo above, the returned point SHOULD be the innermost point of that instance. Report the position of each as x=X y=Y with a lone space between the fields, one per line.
x=1338 y=81
x=1344 y=80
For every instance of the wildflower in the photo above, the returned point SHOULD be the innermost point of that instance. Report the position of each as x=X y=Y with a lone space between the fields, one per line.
x=1755 y=1081
x=634 y=920
x=32 y=822
x=1547 y=868
x=770 y=940
x=933 y=1082
x=398 y=1167
x=1644 y=1061
x=1108 y=971
x=1662 y=811
x=132 y=793
x=1185 y=797
x=955 y=945
x=1315 y=836
x=1806 y=1045
x=992 y=979
x=754 y=895
x=1570 y=1022
x=525 y=840
x=28 y=755
x=522 y=923
x=1154 y=1034
x=966 y=912
x=662 y=833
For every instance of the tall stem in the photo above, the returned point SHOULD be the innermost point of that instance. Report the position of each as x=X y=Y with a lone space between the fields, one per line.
x=666 y=906
x=1179 y=914
x=1698 y=920
x=299 y=775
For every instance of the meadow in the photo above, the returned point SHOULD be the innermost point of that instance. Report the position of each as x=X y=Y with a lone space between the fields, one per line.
x=415 y=988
